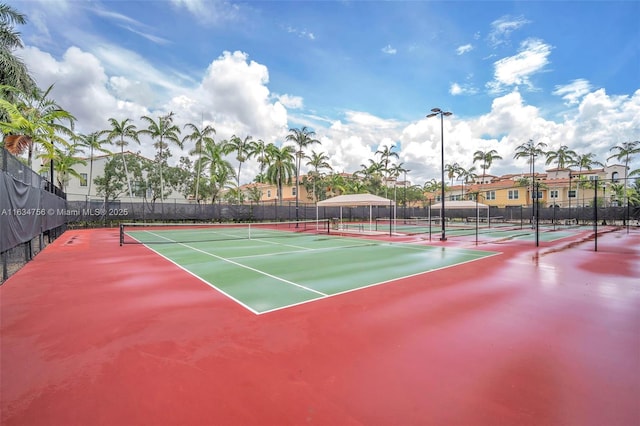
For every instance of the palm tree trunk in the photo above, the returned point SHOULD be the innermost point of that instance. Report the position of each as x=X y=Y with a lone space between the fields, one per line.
x=90 y=173
x=126 y=173
x=199 y=171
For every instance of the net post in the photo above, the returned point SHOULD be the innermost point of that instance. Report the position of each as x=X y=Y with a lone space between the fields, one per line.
x=121 y=234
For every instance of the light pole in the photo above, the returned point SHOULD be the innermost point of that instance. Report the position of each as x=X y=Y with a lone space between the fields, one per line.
x=435 y=112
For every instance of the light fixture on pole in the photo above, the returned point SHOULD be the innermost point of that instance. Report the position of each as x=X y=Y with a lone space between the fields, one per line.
x=435 y=112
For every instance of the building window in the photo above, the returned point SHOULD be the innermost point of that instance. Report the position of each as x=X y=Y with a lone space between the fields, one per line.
x=491 y=195
x=268 y=193
x=537 y=195
x=293 y=191
x=553 y=193
x=572 y=193
x=614 y=177
x=513 y=194
x=83 y=179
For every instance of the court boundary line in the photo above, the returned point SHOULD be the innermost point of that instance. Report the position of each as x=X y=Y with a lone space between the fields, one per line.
x=382 y=282
x=322 y=295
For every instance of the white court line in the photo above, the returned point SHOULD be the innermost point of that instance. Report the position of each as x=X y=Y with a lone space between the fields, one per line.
x=325 y=296
x=243 y=266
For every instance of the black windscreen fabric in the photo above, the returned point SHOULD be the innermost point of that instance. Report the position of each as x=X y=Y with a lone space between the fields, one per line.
x=26 y=211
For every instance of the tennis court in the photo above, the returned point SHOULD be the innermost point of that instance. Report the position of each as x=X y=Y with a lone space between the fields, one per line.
x=166 y=332
x=484 y=231
x=270 y=266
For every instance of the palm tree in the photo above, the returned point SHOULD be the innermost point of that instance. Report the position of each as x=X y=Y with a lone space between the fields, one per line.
x=318 y=161
x=584 y=161
x=243 y=149
x=221 y=178
x=625 y=151
x=466 y=176
x=34 y=120
x=386 y=153
x=337 y=185
x=562 y=156
x=302 y=138
x=13 y=72
x=530 y=151
x=161 y=130
x=486 y=158
x=118 y=134
x=281 y=166
x=94 y=143
x=258 y=150
x=64 y=163
x=372 y=175
x=200 y=137
x=218 y=169
x=452 y=170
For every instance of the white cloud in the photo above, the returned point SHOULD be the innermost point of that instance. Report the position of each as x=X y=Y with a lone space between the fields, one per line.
x=389 y=50
x=210 y=11
x=301 y=33
x=234 y=97
x=457 y=89
x=502 y=28
x=573 y=92
x=293 y=102
x=461 y=50
x=516 y=70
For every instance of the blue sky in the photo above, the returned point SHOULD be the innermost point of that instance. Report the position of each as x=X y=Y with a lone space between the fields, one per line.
x=362 y=74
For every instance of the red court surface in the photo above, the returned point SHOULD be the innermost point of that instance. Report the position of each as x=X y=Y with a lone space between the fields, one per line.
x=97 y=334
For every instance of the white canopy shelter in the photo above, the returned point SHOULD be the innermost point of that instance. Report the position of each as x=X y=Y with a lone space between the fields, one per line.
x=354 y=200
x=461 y=205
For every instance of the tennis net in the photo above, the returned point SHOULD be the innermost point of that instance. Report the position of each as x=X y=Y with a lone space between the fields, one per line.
x=163 y=233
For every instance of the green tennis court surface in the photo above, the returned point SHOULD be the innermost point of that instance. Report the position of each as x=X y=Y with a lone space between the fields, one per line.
x=275 y=271
x=496 y=231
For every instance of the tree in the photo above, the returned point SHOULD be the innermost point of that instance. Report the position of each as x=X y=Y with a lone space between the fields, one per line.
x=318 y=162
x=243 y=149
x=34 y=119
x=337 y=185
x=118 y=134
x=530 y=150
x=386 y=153
x=302 y=138
x=94 y=142
x=584 y=161
x=199 y=137
x=562 y=156
x=162 y=131
x=13 y=72
x=221 y=178
x=255 y=194
x=217 y=168
x=452 y=170
x=259 y=151
x=114 y=179
x=466 y=176
x=486 y=159
x=64 y=162
x=625 y=151
x=281 y=166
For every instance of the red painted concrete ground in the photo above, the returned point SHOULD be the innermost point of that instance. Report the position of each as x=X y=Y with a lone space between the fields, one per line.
x=97 y=334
